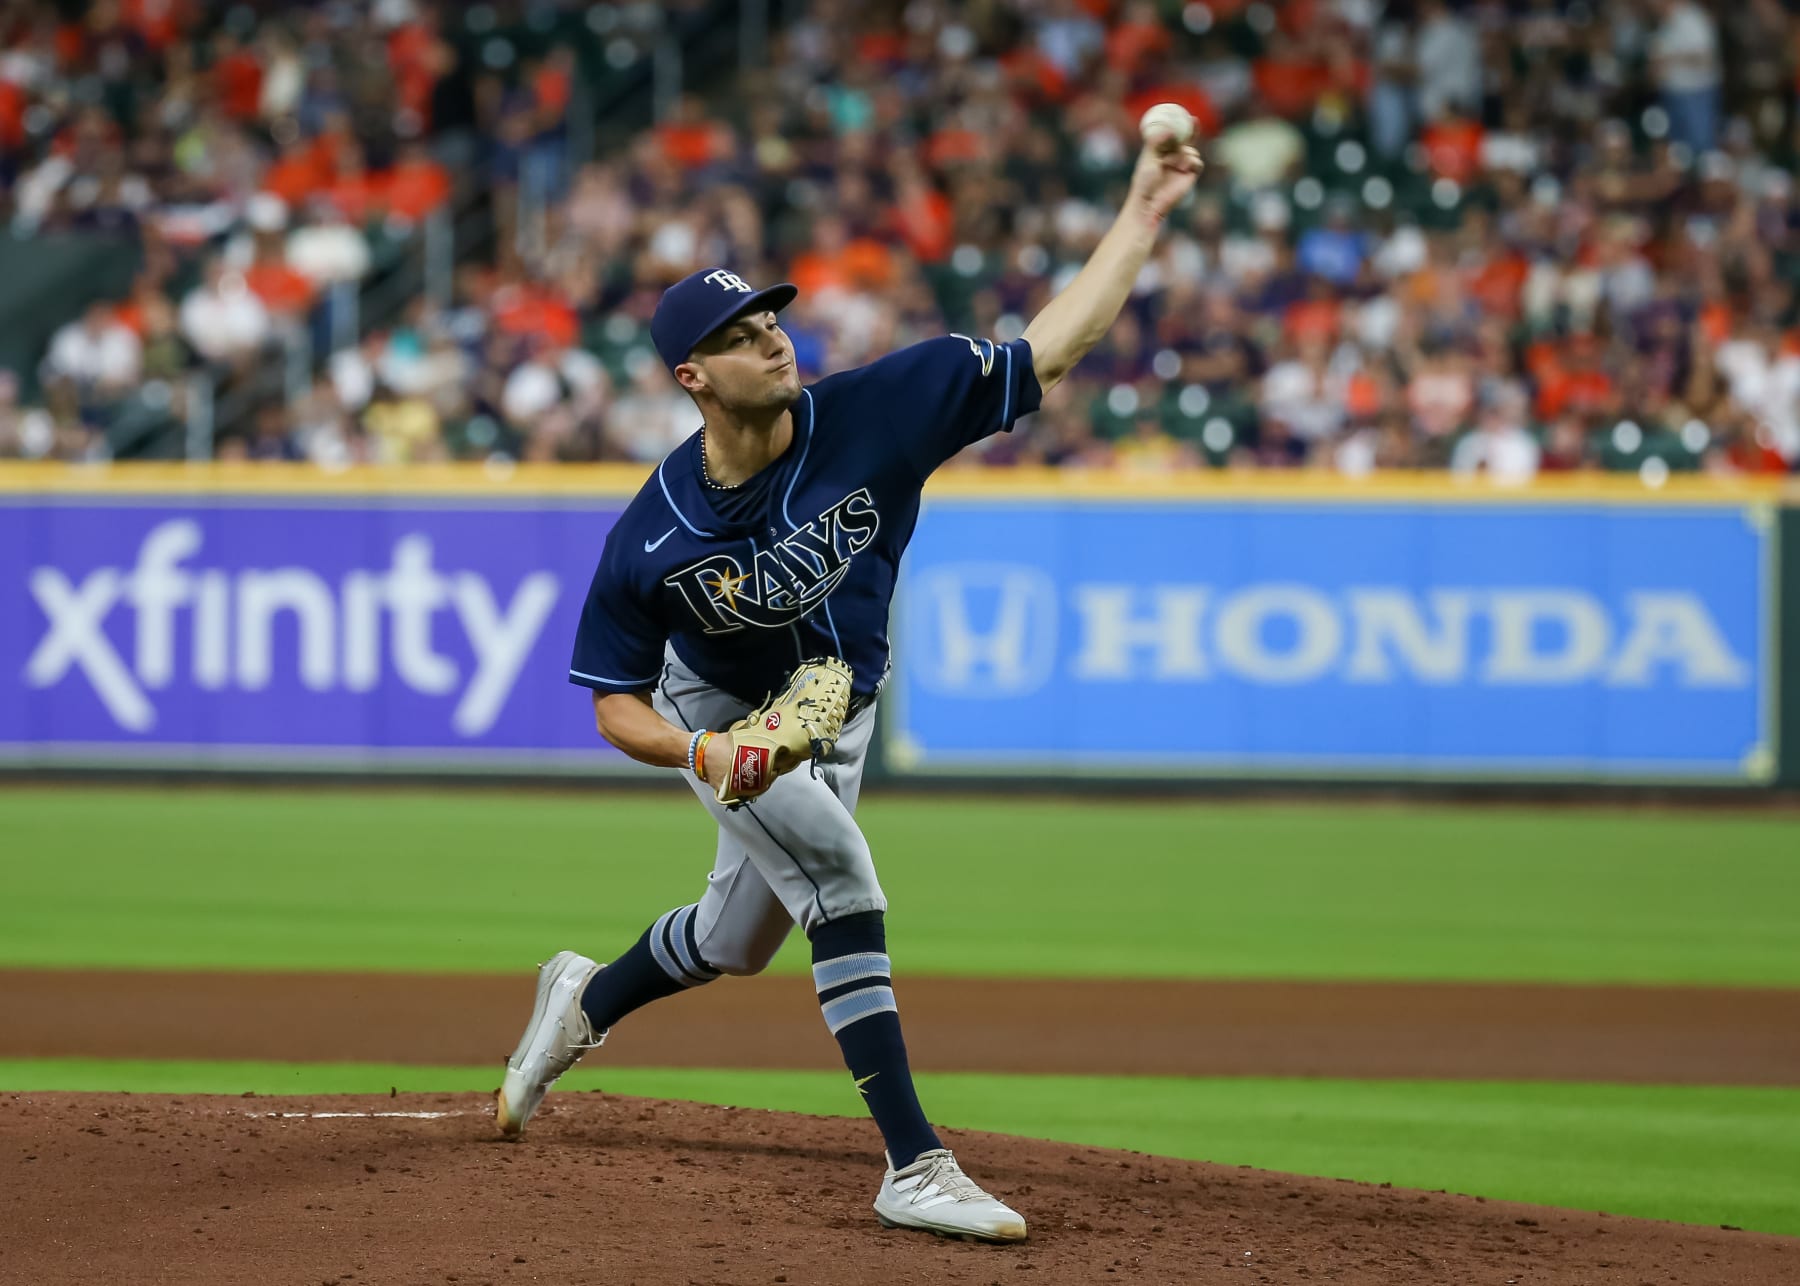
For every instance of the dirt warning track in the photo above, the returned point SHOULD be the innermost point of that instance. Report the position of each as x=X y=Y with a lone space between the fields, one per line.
x=1663 y=1035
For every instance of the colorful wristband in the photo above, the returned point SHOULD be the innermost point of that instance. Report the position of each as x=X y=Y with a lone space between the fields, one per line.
x=699 y=764
x=694 y=748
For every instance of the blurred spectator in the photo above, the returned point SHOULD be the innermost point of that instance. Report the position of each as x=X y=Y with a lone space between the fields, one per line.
x=284 y=291
x=691 y=138
x=1261 y=149
x=283 y=74
x=416 y=185
x=651 y=417
x=222 y=318
x=1440 y=392
x=550 y=376
x=1500 y=445
x=1762 y=376
x=1335 y=250
x=269 y=441
x=1068 y=37
x=403 y=428
x=99 y=355
x=1572 y=378
x=1392 y=107
x=1149 y=449
x=1304 y=394
x=1684 y=59
x=24 y=432
x=323 y=431
x=1447 y=54
x=328 y=250
x=151 y=316
x=1453 y=143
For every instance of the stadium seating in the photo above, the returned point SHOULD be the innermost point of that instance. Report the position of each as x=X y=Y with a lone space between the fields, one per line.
x=1429 y=235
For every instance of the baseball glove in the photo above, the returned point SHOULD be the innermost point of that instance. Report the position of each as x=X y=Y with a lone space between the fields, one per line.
x=799 y=724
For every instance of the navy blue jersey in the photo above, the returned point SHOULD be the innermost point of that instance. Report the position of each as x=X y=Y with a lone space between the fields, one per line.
x=800 y=561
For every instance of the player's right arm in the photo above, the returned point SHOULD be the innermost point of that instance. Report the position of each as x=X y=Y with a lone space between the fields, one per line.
x=942 y=395
x=628 y=721
x=1076 y=319
x=618 y=654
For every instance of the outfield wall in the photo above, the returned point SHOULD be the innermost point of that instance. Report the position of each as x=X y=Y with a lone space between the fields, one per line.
x=1213 y=627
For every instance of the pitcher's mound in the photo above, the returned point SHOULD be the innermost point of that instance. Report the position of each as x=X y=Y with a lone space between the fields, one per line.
x=199 y=1190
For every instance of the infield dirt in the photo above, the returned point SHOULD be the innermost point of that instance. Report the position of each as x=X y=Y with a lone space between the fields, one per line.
x=205 y=1191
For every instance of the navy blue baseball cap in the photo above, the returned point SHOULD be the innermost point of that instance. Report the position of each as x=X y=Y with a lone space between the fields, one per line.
x=703 y=301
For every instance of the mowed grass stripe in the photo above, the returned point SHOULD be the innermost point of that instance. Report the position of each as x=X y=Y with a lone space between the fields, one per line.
x=491 y=881
x=1695 y=1155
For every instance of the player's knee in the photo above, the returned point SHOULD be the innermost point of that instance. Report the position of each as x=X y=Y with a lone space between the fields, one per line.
x=744 y=952
x=853 y=905
x=741 y=960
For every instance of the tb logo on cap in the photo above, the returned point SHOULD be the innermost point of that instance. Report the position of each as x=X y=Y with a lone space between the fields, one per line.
x=727 y=281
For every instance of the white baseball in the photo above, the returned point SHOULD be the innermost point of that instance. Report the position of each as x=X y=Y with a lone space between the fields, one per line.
x=1170 y=116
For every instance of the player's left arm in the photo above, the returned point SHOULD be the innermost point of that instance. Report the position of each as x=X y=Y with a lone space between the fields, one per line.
x=1073 y=322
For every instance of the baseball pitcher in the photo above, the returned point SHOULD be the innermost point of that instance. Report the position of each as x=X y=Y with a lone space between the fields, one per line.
x=760 y=558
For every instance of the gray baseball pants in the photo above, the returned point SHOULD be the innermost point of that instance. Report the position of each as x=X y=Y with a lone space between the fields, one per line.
x=794 y=855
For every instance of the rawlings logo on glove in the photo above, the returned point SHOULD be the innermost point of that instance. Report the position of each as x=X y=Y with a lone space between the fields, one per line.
x=749 y=772
x=797 y=725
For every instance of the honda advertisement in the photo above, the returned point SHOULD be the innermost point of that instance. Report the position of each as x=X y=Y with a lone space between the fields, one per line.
x=235 y=631
x=1531 y=640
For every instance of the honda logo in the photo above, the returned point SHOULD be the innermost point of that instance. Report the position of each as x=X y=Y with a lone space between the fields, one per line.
x=982 y=629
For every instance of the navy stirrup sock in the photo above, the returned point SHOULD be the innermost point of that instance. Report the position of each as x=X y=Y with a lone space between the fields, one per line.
x=856 y=995
x=662 y=962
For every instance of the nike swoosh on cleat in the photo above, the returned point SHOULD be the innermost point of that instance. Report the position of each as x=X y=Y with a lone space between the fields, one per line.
x=650 y=545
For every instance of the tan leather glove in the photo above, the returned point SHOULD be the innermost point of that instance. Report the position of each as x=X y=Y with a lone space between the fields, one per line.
x=795 y=726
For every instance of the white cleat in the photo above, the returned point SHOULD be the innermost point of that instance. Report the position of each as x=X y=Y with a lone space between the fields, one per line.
x=934 y=1194
x=555 y=1038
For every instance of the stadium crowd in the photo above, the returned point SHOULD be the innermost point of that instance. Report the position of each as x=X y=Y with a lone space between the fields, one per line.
x=1507 y=237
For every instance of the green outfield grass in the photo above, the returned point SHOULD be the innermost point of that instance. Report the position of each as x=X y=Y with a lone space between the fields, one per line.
x=1696 y=1155
x=489 y=881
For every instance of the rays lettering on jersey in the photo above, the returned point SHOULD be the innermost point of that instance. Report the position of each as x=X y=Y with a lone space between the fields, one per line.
x=784 y=581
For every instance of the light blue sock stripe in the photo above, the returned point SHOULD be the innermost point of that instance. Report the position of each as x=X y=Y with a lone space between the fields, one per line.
x=678 y=938
x=836 y=972
x=679 y=933
x=843 y=1011
x=664 y=960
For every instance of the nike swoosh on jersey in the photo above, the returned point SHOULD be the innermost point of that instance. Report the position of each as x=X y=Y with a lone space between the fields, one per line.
x=650 y=546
